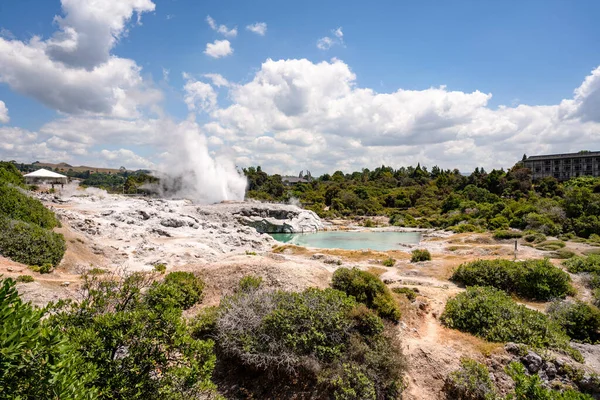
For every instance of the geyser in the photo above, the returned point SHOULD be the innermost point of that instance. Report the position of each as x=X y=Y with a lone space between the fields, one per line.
x=190 y=171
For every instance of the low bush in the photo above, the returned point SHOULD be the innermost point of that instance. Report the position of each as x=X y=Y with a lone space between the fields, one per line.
x=562 y=254
x=177 y=290
x=321 y=336
x=532 y=279
x=389 y=262
x=42 y=269
x=25 y=278
x=534 y=237
x=204 y=324
x=550 y=245
x=470 y=382
x=580 y=320
x=30 y=244
x=492 y=315
x=410 y=293
x=367 y=289
x=249 y=282
x=589 y=263
x=160 y=268
x=463 y=228
x=419 y=255
x=531 y=387
x=503 y=234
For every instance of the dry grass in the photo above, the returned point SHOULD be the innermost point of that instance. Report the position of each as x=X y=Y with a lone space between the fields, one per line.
x=376 y=271
x=481 y=346
x=291 y=249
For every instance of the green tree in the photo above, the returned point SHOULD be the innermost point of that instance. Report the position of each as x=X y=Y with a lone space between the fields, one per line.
x=36 y=360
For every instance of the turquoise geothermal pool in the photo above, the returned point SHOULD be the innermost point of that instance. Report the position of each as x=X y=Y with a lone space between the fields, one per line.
x=380 y=241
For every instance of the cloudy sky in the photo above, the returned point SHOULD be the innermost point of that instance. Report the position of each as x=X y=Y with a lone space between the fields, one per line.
x=299 y=85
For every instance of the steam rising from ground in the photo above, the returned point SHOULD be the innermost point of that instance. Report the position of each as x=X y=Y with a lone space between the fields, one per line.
x=190 y=171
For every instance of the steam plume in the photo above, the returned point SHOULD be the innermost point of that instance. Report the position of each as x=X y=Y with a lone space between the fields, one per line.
x=190 y=171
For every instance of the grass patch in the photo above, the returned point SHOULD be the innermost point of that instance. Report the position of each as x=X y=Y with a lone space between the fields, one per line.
x=531 y=279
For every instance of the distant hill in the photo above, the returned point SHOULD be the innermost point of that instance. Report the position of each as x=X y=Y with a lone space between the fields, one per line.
x=64 y=167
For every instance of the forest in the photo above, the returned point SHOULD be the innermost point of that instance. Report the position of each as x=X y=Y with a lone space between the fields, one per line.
x=437 y=198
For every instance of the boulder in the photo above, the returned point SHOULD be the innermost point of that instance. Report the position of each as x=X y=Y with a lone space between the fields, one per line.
x=532 y=361
x=278 y=218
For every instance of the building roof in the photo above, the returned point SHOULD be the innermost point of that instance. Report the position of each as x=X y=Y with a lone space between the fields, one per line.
x=566 y=155
x=44 y=173
x=293 y=179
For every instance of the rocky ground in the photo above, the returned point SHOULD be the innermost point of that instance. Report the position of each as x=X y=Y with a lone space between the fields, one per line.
x=222 y=242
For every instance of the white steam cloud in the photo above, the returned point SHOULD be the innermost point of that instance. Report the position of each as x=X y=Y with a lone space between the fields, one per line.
x=190 y=171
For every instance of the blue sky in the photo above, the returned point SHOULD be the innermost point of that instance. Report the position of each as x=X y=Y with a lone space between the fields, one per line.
x=533 y=53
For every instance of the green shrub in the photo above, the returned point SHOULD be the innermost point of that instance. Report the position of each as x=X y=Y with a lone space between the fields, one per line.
x=533 y=279
x=37 y=361
x=503 y=234
x=367 y=289
x=352 y=383
x=463 y=228
x=29 y=244
x=580 y=320
x=177 y=290
x=10 y=174
x=492 y=315
x=43 y=269
x=97 y=271
x=17 y=205
x=25 y=278
x=410 y=293
x=589 y=263
x=389 y=262
x=470 y=382
x=135 y=350
x=368 y=223
x=160 y=268
x=531 y=387
x=315 y=335
x=419 y=255
x=249 y=283
x=204 y=324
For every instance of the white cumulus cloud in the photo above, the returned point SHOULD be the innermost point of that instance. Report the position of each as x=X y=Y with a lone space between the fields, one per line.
x=73 y=71
x=126 y=158
x=222 y=29
x=327 y=42
x=318 y=113
x=218 y=49
x=260 y=28
x=199 y=95
x=218 y=80
x=3 y=113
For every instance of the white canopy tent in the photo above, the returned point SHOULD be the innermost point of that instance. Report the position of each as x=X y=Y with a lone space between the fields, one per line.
x=46 y=177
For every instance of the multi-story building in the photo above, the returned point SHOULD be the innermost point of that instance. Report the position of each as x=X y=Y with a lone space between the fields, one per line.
x=564 y=166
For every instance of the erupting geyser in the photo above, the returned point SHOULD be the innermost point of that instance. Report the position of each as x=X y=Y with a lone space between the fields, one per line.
x=190 y=171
